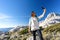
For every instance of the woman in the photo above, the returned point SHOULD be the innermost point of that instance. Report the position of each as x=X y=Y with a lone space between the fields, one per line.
x=34 y=24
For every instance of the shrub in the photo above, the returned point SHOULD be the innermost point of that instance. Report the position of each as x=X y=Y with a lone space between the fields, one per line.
x=24 y=31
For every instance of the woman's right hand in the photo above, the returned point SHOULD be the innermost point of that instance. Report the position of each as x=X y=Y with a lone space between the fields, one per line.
x=29 y=30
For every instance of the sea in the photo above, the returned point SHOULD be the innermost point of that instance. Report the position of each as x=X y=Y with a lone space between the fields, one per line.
x=5 y=29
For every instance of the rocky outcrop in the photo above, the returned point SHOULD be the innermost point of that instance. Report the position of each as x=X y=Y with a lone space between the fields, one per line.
x=51 y=19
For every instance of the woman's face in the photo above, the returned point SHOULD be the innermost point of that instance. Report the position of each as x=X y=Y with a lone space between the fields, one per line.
x=33 y=14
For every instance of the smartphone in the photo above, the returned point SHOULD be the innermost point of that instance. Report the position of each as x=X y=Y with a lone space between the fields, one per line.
x=43 y=7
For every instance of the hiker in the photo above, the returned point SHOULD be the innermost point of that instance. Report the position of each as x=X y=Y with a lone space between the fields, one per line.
x=34 y=24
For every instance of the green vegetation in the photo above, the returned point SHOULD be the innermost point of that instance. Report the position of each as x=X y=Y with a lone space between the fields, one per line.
x=52 y=32
x=55 y=27
x=24 y=31
x=48 y=33
x=41 y=28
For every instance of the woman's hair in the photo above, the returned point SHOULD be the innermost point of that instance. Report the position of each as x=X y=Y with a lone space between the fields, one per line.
x=33 y=14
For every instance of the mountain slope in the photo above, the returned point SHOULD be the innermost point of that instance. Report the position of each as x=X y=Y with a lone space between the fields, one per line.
x=51 y=19
x=52 y=28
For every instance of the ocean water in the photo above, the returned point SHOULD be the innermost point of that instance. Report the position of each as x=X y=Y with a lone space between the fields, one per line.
x=5 y=29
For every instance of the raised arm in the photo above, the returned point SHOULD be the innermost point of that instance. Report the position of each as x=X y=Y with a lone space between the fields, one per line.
x=42 y=14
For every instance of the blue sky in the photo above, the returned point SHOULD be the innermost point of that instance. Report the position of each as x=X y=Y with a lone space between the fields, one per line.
x=18 y=12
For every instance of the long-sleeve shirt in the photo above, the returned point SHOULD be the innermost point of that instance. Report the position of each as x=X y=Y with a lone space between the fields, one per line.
x=33 y=22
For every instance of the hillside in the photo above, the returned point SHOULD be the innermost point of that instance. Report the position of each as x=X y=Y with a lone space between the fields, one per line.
x=52 y=32
x=53 y=28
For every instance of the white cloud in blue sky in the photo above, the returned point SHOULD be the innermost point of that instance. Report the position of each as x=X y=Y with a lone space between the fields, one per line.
x=6 y=21
x=4 y=16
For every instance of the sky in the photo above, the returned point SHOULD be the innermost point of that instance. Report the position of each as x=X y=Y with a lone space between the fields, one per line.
x=17 y=12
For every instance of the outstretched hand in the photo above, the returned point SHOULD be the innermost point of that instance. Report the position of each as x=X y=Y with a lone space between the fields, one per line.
x=44 y=10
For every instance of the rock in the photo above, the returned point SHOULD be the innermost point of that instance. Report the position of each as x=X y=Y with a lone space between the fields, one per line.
x=31 y=38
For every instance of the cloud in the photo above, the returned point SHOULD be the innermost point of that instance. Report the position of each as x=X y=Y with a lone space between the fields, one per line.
x=8 y=25
x=7 y=21
x=4 y=16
